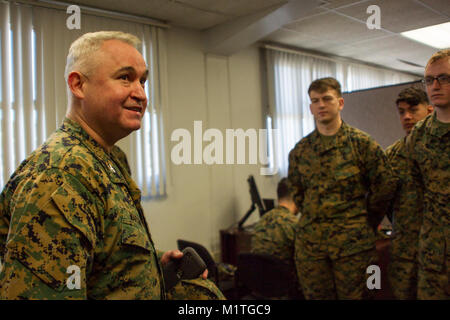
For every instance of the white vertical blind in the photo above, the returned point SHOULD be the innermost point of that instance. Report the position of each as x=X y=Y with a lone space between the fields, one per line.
x=36 y=37
x=289 y=75
x=6 y=103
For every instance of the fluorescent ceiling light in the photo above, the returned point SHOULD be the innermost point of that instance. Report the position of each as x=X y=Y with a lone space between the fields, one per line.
x=437 y=36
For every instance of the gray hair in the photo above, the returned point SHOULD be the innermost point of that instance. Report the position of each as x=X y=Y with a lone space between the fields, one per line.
x=82 y=49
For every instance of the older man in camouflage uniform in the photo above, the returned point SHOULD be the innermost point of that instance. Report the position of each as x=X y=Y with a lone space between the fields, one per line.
x=342 y=185
x=428 y=148
x=275 y=231
x=71 y=222
x=412 y=105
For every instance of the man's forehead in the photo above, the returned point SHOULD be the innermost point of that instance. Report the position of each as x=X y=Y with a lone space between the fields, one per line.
x=327 y=92
x=406 y=105
x=438 y=67
x=122 y=55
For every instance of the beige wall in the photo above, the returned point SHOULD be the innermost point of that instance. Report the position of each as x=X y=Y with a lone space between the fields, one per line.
x=222 y=92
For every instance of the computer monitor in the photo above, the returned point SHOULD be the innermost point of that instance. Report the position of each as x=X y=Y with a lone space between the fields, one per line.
x=263 y=207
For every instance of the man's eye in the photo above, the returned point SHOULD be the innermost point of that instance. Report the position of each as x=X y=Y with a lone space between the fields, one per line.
x=444 y=78
x=124 y=77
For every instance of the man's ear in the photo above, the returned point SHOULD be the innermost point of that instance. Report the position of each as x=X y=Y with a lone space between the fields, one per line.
x=341 y=103
x=430 y=109
x=76 y=82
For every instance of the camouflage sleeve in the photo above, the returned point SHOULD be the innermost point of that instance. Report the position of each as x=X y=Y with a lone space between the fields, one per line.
x=390 y=156
x=195 y=289
x=52 y=235
x=380 y=180
x=4 y=227
x=414 y=188
x=159 y=254
x=294 y=179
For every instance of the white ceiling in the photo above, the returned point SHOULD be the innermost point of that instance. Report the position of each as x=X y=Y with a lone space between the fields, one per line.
x=334 y=27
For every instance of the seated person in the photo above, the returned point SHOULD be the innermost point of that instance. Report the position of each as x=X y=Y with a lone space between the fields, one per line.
x=274 y=233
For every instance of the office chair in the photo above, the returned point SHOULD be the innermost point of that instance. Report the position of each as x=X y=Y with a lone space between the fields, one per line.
x=226 y=286
x=204 y=254
x=267 y=277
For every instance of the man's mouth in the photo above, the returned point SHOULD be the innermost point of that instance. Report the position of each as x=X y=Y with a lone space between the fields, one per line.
x=409 y=125
x=135 y=109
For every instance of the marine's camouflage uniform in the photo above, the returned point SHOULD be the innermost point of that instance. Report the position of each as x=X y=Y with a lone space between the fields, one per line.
x=343 y=186
x=195 y=289
x=407 y=219
x=428 y=146
x=70 y=203
x=274 y=234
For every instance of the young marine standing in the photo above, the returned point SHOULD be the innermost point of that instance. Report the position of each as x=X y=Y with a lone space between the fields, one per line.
x=412 y=106
x=342 y=184
x=428 y=146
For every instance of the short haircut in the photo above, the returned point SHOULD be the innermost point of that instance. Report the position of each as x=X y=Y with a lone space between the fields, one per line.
x=81 y=51
x=412 y=96
x=283 y=191
x=441 y=54
x=323 y=84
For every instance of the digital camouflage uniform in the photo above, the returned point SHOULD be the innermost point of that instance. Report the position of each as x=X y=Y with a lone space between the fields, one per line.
x=343 y=186
x=274 y=234
x=407 y=218
x=70 y=203
x=428 y=147
x=195 y=289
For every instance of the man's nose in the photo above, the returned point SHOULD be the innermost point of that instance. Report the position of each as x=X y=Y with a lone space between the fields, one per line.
x=138 y=92
x=435 y=84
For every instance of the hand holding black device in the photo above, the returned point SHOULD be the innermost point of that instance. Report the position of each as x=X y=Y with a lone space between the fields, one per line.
x=189 y=266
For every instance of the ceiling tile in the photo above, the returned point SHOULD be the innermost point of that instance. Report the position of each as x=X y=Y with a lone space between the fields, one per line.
x=297 y=39
x=233 y=8
x=440 y=6
x=397 y=16
x=336 y=28
x=395 y=47
x=332 y=4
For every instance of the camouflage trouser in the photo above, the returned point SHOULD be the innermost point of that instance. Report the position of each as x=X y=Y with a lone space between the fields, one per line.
x=343 y=278
x=195 y=289
x=434 y=262
x=403 y=278
x=433 y=285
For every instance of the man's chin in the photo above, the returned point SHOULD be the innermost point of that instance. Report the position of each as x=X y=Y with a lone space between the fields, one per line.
x=325 y=121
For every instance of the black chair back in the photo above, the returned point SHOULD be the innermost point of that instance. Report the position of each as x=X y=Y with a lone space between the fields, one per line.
x=267 y=276
x=204 y=254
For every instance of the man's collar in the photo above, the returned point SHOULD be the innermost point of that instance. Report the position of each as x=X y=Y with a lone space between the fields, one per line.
x=436 y=128
x=337 y=141
x=74 y=129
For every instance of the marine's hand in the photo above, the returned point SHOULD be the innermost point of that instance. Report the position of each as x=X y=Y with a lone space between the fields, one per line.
x=169 y=255
x=177 y=254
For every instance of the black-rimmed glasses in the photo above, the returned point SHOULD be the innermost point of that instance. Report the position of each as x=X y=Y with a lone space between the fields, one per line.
x=441 y=79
